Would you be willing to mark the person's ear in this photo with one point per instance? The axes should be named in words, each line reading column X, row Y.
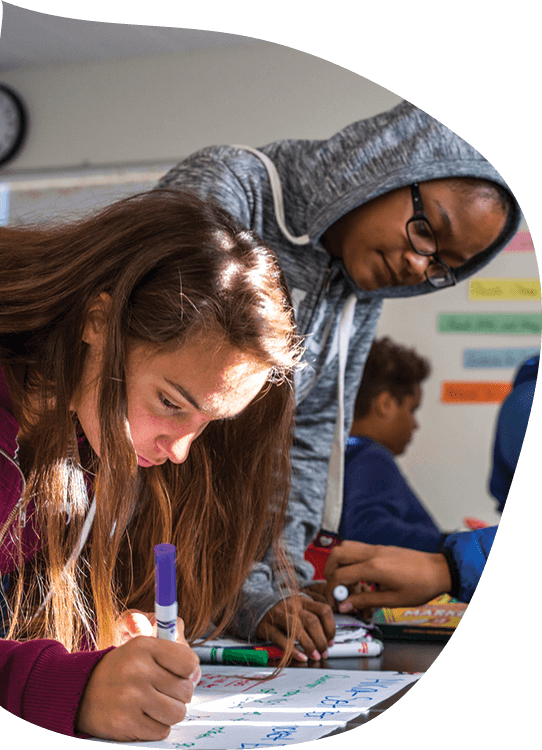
column 96, row 320
column 385, row 404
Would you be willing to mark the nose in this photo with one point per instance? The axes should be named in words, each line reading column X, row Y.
column 176, row 449
column 416, row 264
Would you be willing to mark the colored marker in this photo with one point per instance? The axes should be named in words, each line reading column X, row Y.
column 340, row 593
column 241, row 656
column 165, row 607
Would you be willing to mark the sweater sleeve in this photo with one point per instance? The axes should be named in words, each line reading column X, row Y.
column 42, row 683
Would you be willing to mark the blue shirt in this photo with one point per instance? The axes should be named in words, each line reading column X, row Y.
column 379, row 507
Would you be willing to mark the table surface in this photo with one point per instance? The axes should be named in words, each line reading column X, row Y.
column 397, row 656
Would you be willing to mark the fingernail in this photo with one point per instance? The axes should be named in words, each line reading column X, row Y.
column 315, row 656
column 300, row 656
column 325, row 655
column 345, row 607
column 138, row 624
column 195, row 677
column 330, row 644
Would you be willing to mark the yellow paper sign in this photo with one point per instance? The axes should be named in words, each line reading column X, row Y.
column 489, row 290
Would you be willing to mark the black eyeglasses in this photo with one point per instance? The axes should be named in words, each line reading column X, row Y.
column 423, row 241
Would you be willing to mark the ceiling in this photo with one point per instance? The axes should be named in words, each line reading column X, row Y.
column 30, row 39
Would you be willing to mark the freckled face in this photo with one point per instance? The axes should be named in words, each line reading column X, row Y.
column 373, row 243
column 173, row 395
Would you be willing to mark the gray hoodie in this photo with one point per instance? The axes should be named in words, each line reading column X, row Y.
column 320, row 181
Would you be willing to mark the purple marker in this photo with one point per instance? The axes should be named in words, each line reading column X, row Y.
column 165, row 607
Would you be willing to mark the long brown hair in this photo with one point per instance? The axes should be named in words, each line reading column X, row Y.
column 174, row 267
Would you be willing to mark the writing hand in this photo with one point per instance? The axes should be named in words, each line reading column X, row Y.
column 138, row 690
column 312, row 623
column 403, row 577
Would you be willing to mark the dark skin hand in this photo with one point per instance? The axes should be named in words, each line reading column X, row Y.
column 313, row 624
column 402, row 577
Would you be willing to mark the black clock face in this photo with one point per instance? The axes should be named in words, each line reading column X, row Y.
column 13, row 124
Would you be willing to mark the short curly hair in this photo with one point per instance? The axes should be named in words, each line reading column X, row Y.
column 390, row 367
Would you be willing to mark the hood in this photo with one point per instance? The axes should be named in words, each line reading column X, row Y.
column 374, row 156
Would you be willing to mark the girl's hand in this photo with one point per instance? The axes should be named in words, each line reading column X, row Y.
column 138, row 690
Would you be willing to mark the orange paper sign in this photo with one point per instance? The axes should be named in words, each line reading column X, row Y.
column 473, row 392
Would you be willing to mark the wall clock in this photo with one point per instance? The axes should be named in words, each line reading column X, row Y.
column 13, row 124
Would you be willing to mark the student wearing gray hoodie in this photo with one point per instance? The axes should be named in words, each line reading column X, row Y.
column 395, row 205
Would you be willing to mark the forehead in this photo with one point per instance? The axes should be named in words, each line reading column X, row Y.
column 218, row 379
column 465, row 223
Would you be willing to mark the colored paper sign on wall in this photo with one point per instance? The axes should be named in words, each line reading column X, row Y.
column 509, row 357
column 522, row 242
column 513, row 323
column 489, row 290
column 473, row 392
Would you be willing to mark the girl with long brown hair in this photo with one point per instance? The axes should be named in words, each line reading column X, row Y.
column 147, row 356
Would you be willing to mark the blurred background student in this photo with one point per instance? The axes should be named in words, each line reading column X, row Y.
column 379, row 505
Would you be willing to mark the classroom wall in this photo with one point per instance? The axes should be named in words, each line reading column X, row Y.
column 156, row 110
column 165, row 107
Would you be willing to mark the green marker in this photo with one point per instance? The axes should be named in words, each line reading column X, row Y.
column 247, row 657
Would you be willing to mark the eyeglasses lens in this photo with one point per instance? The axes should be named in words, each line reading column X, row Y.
column 421, row 237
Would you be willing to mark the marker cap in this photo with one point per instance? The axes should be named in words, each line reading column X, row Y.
column 166, row 579
column 340, row 593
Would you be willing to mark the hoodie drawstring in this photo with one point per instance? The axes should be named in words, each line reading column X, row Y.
column 335, row 478
column 278, row 201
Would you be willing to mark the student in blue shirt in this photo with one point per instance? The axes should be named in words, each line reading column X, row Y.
column 379, row 507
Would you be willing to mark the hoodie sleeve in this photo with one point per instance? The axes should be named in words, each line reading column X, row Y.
column 466, row 554
column 42, row 683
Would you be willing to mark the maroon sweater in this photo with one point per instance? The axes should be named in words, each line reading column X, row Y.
column 39, row 680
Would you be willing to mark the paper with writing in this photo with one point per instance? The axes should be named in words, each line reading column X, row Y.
column 235, row 708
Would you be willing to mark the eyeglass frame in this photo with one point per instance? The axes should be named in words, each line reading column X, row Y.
column 419, row 213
